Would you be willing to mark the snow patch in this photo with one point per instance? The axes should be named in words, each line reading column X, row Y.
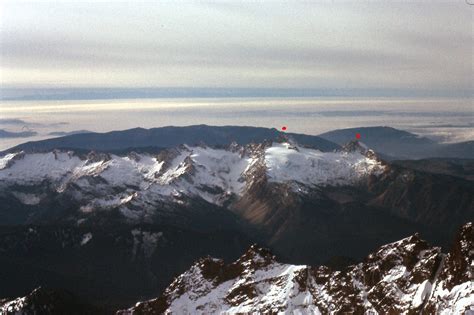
column 423, row 291
column 86, row 238
column 27, row 199
column 5, row 160
column 313, row 167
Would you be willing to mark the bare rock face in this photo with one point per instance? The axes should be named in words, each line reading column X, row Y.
column 408, row 276
column 453, row 292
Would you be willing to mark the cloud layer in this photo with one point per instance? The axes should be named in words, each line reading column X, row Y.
column 423, row 45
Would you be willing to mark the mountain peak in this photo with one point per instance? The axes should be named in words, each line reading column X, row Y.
column 459, row 262
column 390, row 282
column 256, row 257
column 355, row 146
column 360, row 147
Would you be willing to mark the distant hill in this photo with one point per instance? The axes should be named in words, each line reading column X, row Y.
column 398, row 144
column 166, row 137
column 389, row 143
column 463, row 168
column 21, row 134
column 455, row 150
column 67, row 133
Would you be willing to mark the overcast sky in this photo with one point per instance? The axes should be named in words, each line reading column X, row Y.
column 332, row 44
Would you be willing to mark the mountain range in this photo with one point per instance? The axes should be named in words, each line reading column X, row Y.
column 167, row 137
column 114, row 218
column 388, row 142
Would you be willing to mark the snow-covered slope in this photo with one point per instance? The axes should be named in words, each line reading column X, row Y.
column 405, row 277
column 286, row 162
column 142, row 181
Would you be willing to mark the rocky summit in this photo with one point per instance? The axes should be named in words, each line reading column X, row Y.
column 405, row 277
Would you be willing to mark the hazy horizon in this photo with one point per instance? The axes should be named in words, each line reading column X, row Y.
column 452, row 122
column 312, row 66
column 98, row 93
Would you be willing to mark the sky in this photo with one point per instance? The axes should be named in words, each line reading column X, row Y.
column 417, row 45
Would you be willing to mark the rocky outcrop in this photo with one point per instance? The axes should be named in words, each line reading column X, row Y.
column 408, row 276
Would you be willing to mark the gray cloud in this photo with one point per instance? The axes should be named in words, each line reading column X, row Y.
column 446, row 126
column 13, row 121
column 392, row 45
column 67, row 133
column 26, row 124
column 76, row 53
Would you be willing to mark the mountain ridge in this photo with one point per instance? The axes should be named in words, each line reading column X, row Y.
column 399, row 144
column 388, row 142
column 407, row 276
column 165, row 137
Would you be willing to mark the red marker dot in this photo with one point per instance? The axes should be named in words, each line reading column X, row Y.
column 357, row 135
column 283, row 128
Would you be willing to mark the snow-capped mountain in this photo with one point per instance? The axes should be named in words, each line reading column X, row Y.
column 116, row 227
column 136, row 184
column 405, row 277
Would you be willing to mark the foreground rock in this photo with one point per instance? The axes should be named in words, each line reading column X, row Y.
column 408, row 276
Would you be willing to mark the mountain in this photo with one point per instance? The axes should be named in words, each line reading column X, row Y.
column 113, row 228
column 388, row 142
column 135, row 185
column 408, row 276
column 456, row 150
column 463, row 168
column 167, row 137
column 398, row 144
column 108, row 265
column 294, row 196
column 118, row 227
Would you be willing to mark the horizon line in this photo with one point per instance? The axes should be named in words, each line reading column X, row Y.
column 91, row 93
